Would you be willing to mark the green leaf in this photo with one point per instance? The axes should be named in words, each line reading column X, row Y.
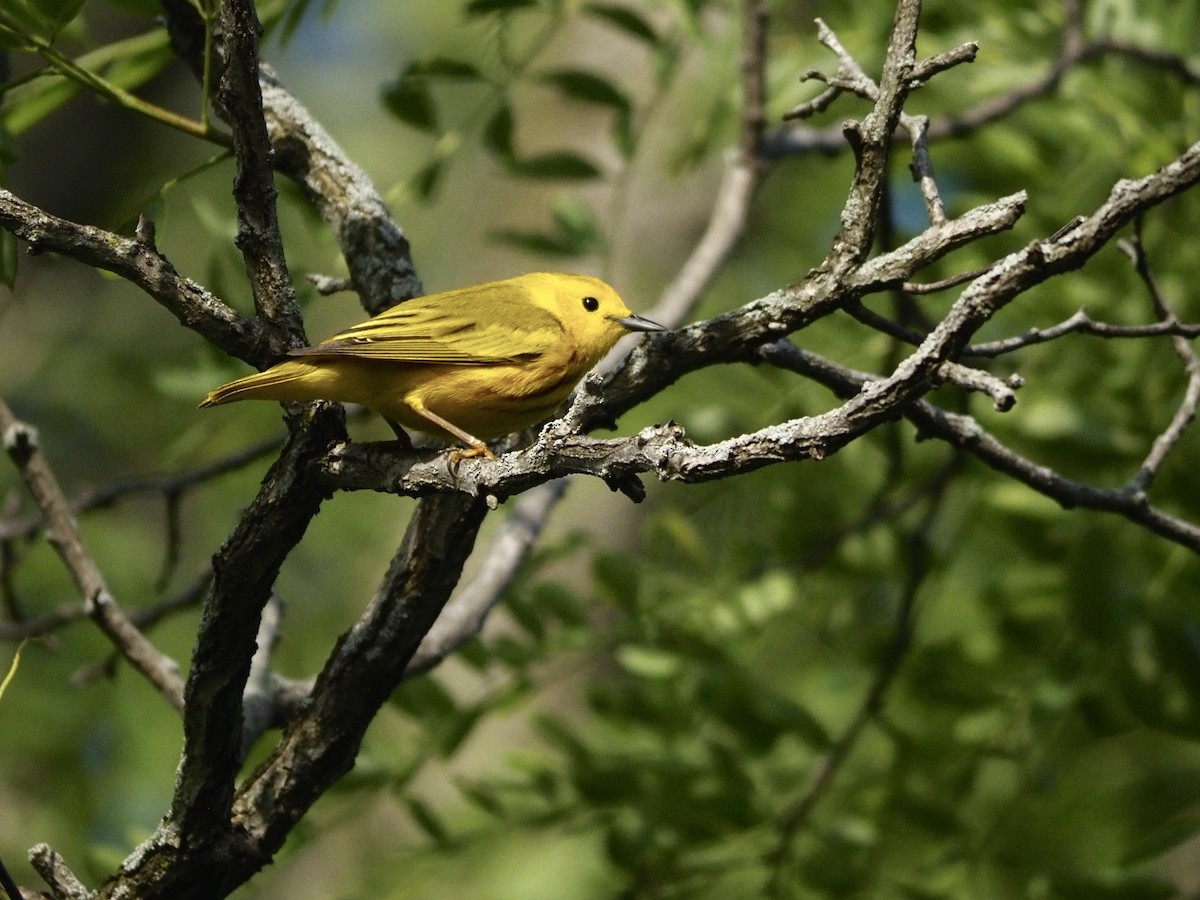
column 652, row 663
column 1160, row 837
column 498, row 133
column 575, row 233
column 457, row 728
column 619, row 577
column 560, row 602
column 535, row 242
column 483, row 795
column 409, row 100
column 527, row 615
column 428, row 821
column 560, row 165
column 425, row 698
column 444, row 67
column 486, row 7
column 56, row 14
column 127, row 64
column 623, row 134
column 625, row 19
column 425, row 182
column 588, row 88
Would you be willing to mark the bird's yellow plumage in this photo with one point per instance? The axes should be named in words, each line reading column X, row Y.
column 473, row 363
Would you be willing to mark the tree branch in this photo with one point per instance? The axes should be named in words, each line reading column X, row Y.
column 966, row 433
column 21, row 444
column 142, row 265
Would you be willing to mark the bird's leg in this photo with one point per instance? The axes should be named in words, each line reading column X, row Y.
column 475, row 447
column 402, row 437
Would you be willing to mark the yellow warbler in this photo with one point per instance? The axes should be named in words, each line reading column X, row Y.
column 473, row 363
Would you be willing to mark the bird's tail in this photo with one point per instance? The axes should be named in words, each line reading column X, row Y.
column 272, row 384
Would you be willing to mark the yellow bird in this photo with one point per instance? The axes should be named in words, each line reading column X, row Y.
column 473, row 363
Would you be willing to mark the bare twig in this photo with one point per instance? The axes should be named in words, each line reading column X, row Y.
column 922, row 168
column 143, row 266
column 172, row 485
column 20, row 442
column 1074, row 49
column 144, row 618
column 48, row 863
column 1001, row 390
column 466, row 613
column 933, row 287
column 966, row 432
column 1082, row 323
column 1186, row 413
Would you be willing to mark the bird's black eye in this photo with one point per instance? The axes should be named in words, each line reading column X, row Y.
column 591, row 304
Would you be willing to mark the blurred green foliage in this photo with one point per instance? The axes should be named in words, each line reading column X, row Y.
column 893, row 673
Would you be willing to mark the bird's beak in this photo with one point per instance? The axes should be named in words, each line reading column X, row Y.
column 638, row 323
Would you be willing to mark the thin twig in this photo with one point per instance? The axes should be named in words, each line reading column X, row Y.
column 142, row 265
column 1074, row 49
column 114, row 93
column 965, row 432
column 1081, row 323
column 167, row 485
column 48, row 863
column 1001, row 390
column 143, row 617
column 21, row 443
column 934, row 287
column 1186, row 413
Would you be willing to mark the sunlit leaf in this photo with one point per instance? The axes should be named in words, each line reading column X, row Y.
column 12, row 669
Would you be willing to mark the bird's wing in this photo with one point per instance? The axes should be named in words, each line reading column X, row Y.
column 490, row 331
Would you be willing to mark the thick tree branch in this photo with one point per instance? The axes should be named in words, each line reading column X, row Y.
column 665, row 452
column 244, row 570
column 142, row 265
column 258, row 237
column 320, row 744
column 373, row 244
